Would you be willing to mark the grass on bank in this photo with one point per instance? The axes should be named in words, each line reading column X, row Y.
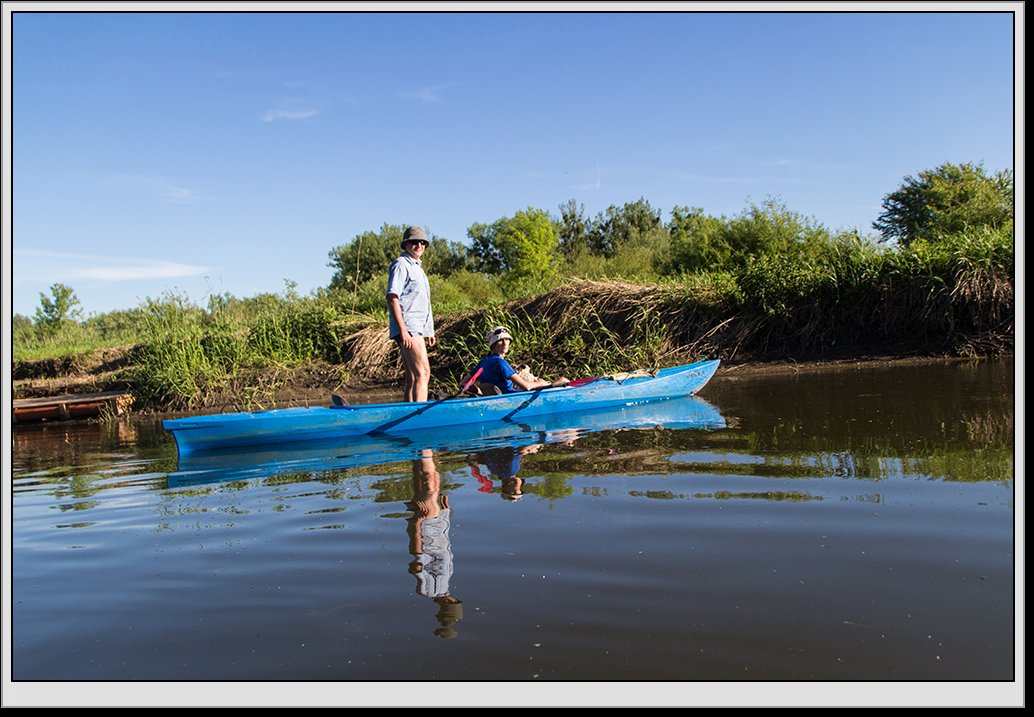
column 954, row 295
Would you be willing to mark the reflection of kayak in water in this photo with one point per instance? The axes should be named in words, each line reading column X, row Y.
column 234, row 430
column 355, row 451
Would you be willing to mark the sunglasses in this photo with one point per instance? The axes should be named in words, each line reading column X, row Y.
column 419, row 241
column 501, row 330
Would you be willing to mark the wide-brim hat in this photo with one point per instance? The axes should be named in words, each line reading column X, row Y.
column 413, row 234
column 497, row 334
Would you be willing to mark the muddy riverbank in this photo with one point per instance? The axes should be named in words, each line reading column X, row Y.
column 312, row 384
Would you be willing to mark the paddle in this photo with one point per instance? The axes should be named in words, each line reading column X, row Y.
column 582, row 381
column 425, row 406
column 619, row 377
column 469, row 383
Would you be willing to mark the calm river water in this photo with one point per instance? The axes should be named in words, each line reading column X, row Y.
column 854, row 525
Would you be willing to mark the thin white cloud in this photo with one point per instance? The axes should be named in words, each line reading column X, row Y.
column 61, row 266
column 163, row 187
column 704, row 178
column 179, row 195
column 141, row 270
column 288, row 114
column 804, row 164
column 429, row 94
column 674, row 175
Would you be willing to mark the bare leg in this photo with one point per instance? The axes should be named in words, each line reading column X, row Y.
column 418, row 369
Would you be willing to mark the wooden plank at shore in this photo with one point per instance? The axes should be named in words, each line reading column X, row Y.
column 79, row 405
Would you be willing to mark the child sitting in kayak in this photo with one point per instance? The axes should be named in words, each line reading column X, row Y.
column 498, row 376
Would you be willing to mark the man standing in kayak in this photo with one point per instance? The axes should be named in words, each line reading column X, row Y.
column 410, row 322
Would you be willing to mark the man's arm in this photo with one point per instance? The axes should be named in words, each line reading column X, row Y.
column 395, row 307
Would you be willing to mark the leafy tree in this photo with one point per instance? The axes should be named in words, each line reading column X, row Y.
column 697, row 242
column 488, row 257
column 56, row 311
column 119, row 324
column 635, row 224
column 367, row 255
column 445, row 257
column 291, row 290
column 525, row 245
column 700, row 242
column 770, row 228
column 370, row 254
column 572, row 229
column 948, row 199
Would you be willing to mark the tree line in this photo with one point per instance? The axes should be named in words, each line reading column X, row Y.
column 634, row 240
column 767, row 282
column 533, row 249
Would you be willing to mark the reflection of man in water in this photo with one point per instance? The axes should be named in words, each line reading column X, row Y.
column 429, row 543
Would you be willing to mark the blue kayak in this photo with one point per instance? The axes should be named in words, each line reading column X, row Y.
column 236, row 430
column 333, row 454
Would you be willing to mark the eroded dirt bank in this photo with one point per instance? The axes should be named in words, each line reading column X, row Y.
column 313, row 384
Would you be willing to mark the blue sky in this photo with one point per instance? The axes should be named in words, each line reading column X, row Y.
column 206, row 152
